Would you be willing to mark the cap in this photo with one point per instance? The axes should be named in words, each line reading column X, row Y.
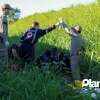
column 6, row 6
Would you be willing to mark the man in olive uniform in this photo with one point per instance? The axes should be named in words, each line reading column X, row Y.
column 77, row 44
column 4, row 34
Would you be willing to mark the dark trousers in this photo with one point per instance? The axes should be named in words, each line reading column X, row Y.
column 3, row 51
column 75, row 67
column 25, row 51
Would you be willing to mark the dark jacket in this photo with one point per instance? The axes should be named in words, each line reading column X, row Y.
column 33, row 34
column 30, row 37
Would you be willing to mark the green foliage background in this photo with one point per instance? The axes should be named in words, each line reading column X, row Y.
column 87, row 16
column 31, row 84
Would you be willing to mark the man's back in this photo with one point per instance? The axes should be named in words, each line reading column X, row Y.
column 76, row 44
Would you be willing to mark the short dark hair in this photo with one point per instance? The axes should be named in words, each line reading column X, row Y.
column 80, row 29
column 36, row 23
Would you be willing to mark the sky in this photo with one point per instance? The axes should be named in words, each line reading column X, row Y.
column 29, row 7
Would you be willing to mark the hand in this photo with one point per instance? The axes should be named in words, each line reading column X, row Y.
column 57, row 24
column 62, row 23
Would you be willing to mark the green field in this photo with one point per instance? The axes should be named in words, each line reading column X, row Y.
column 31, row 84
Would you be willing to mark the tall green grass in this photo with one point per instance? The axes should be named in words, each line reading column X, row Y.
column 34, row 85
column 87, row 16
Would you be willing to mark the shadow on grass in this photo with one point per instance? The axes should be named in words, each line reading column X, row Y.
column 89, row 68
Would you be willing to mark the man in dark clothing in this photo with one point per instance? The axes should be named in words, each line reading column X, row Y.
column 26, row 50
column 4, row 34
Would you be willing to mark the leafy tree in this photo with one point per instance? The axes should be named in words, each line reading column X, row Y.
column 14, row 15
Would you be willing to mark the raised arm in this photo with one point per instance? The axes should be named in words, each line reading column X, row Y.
column 67, row 28
column 47, row 30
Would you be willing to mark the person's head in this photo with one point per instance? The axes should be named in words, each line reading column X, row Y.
column 78, row 28
column 35, row 24
column 6, row 8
